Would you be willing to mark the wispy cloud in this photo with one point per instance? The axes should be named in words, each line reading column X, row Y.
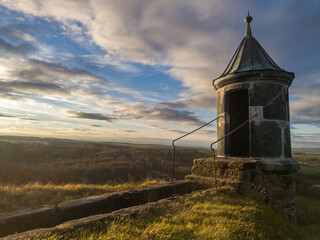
column 93, row 116
column 31, row 87
column 305, row 109
column 95, row 125
column 21, row 118
column 141, row 111
column 15, row 50
column 207, row 102
column 5, row 115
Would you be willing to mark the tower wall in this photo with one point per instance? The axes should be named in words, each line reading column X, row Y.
column 270, row 129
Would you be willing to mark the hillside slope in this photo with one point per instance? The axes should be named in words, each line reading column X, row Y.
column 205, row 215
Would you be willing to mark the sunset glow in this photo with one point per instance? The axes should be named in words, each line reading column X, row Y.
column 141, row 71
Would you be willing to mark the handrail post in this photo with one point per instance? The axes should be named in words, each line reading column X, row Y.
column 173, row 161
column 214, row 166
column 215, row 169
column 174, row 147
column 214, row 151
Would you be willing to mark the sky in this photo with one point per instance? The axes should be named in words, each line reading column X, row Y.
column 141, row 71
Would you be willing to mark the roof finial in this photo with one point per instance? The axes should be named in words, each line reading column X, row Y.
column 248, row 20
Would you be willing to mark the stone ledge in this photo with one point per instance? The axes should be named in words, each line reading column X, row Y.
column 50, row 216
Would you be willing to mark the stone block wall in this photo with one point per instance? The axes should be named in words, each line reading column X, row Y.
column 49, row 216
column 272, row 182
column 280, row 191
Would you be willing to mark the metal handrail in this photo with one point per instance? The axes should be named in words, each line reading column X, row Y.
column 214, row 152
column 174, row 147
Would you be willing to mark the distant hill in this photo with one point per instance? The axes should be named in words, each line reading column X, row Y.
column 306, row 150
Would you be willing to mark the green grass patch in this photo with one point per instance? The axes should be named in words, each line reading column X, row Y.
column 309, row 159
column 33, row 195
column 199, row 216
column 305, row 169
column 308, row 215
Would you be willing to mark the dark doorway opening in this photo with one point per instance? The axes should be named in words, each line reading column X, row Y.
column 237, row 112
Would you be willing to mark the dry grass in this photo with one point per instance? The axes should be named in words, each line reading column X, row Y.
column 35, row 194
column 199, row 216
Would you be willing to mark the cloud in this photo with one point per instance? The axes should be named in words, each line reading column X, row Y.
column 129, row 131
column 141, row 111
column 9, row 96
column 42, row 78
column 15, row 50
column 203, row 101
column 30, row 119
column 191, row 38
column 95, row 125
column 30, row 87
column 304, row 138
column 18, row 33
column 51, row 72
column 6, row 116
column 93, row 116
column 175, row 34
column 167, row 129
column 191, row 41
column 305, row 109
column 180, row 132
column 81, row 129
column 21, row 118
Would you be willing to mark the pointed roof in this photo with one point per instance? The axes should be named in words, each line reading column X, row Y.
column 250, row 55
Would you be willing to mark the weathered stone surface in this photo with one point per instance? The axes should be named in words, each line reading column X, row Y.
column 273, row 97
column 266, row 139
column 272, row 182
column 282, row 166
column 209, row 182
column 220, row 122
column 238, row 173
column 50, row 216
column 223, row 170
column 280, row 192
column 287, row 142
column 26, row 219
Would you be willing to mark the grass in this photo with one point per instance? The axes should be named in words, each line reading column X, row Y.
column 198, row 216
column 308, row 215
column 62, row 162
column 33, row 195
column 64, row 171
column 309, row 159
column 306, row 169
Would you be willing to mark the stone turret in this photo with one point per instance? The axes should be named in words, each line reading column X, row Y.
column 256, row 157
column 254, row 83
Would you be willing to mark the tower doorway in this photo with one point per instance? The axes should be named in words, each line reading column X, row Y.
column 237, row 112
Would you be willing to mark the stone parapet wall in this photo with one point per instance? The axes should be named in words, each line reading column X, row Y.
column 88, row 221
column 49, row 216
